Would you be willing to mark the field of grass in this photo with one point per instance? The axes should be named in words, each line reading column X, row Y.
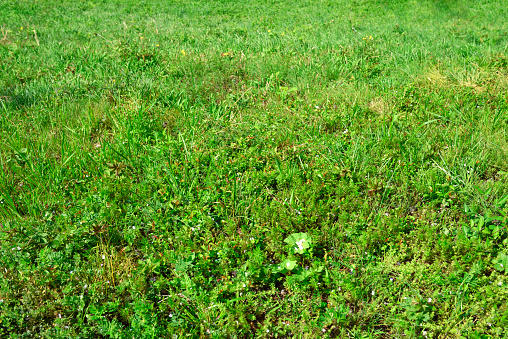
column 253, row 169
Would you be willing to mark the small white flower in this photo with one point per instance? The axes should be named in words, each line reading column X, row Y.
column 501, row 265
column 267, row 330
column 424, row 333
column 323, row 330
column 133, row 227
column 288, row 264
column 19, row 248
column 103, row 257
column 500, row 283
column 429, row 300
column 171, row 315
column 300, row 244
column 372, row 292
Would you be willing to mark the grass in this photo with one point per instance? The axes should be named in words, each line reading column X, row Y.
column 253, row 169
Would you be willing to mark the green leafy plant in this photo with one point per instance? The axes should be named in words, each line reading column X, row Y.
column 488, row 224
column 501, row 262
column 285, row 266
column 417, row 309
column 441, row 194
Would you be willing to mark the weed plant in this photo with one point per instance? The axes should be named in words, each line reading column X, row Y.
column 253, row 169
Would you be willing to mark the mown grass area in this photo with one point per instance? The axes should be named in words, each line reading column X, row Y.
column 268, row 169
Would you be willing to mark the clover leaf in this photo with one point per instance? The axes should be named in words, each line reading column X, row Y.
column 285, row 266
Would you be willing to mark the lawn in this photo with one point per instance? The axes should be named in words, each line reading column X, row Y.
column 253, row 169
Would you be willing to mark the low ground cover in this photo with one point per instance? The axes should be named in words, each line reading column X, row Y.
column 253, row 169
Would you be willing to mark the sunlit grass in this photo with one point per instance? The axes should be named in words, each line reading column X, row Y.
column 156, row 155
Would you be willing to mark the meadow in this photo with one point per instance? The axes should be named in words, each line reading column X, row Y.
column 253, row 169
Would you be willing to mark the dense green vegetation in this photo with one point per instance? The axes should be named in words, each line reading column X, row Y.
column 249, row 168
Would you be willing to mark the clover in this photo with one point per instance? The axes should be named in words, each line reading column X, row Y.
column 299, row 242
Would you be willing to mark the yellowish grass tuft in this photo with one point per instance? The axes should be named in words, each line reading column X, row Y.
column 379, row 106
column 111, row 266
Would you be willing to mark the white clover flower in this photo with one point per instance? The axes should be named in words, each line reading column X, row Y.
column 300, row 245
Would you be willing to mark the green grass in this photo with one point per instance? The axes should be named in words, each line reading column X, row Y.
column 162, row 160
